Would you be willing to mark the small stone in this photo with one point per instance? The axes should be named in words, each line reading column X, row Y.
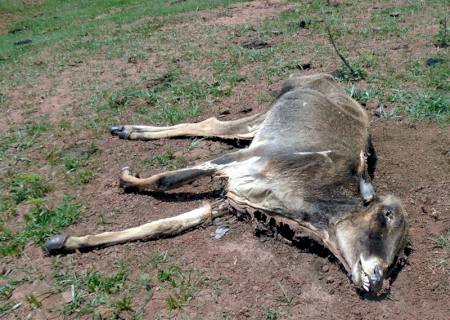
column 325, row 268
column 395, row 14
column 329, row 280
column 221, row 231
column 67, row 296
column 22, row 42
column 36, row 315
column 255, row 44
column 432, row 61
column 372, row 104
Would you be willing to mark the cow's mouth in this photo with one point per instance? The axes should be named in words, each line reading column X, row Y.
column 372, row 282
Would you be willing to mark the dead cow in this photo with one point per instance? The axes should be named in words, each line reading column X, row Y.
column 307, row 169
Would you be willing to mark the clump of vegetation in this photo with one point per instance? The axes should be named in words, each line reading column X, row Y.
column 186, row 285
column 166, row 160
column 3, row 98
column 428, row 106
column 443, row 241
column 27, row 187
column 41, row 222
column 443, row 38
column 21, row 138
column 94, row 289
column 354, row 74
column 271, row 314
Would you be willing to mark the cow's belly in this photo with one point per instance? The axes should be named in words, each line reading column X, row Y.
column 249, row 185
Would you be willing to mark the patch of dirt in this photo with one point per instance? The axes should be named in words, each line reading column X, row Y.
column 252, row 12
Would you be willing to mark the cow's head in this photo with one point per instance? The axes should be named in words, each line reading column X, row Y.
column 370, row 240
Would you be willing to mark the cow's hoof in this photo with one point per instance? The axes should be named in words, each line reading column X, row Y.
column 55, row 244
column 116, row 130
column 124, row 134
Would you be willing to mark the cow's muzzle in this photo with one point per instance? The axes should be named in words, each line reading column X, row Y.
column 373, row 282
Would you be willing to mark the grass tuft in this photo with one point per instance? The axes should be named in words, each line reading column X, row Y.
column 28, row 186
column 41, row 222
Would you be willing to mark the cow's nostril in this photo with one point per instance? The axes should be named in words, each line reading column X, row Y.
column 376, row 280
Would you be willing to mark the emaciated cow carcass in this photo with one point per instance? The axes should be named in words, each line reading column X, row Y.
column 308, row 169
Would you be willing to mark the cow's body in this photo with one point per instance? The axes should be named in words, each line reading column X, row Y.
column 306, row 167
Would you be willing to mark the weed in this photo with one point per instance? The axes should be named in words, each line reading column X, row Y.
column 186, row 285
column 28, row 186
column 145, row 282
column 166, row 275
column 93, row 289
column 216, row 291
column 6, row 290
column 155, row 260
column 21, row 138
column 173, row 303
column 442, row 37
column 432, row 106
column 83, row 176
column 96, row 282
column 362, row 95
column 3, row 98
column 285, row 297
column 33, row 301
column 344, row 74
column 123, row 304
column 7, row 206
column 40, row 223
column 443, row 241
column 166, row 160
column 271, row 314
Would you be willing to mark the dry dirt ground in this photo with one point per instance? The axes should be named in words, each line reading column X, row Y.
column 246, row 276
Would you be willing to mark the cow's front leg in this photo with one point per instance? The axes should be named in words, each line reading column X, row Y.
column 155, row 229
column 173, row 179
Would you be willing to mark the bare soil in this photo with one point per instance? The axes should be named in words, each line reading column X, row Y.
column 252, row 12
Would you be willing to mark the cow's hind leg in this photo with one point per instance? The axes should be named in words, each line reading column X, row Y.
column 244, row 128
column 155, row 229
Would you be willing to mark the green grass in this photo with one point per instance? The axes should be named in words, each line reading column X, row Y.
column 166, row 160
column 41, row 222
column 94, row 289
column 185, row 283
column 67, row 29
column 28, row 186
column 271, row 314
column 443, row 242
column 21, row 138
column 115, row 290
column 423, row 106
